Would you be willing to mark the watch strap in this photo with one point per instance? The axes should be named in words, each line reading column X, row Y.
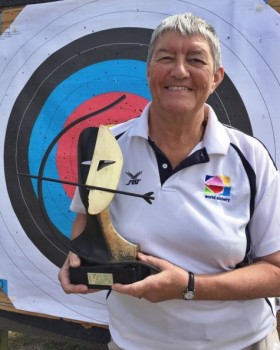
column 191, row 282
column 189, row 292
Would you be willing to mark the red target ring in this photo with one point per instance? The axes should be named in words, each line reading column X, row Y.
column 66, row 156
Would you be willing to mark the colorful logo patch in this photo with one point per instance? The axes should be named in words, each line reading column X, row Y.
column 217, row 187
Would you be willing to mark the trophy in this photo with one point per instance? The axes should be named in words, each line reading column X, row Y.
column 106, row 257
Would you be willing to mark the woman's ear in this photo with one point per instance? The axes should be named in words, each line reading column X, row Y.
column 218, row 77
column 148, row 75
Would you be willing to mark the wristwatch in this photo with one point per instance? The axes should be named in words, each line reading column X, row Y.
column 189, row 292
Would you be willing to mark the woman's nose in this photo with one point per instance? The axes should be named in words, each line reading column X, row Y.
column 180, row 69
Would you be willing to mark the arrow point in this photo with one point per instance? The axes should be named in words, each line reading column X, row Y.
column 103, row 163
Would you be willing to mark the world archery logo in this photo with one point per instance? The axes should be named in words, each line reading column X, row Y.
column 133, row 178
column 217, row 187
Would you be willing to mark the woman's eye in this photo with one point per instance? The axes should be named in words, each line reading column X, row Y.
column 197, row 61
column 165, row 58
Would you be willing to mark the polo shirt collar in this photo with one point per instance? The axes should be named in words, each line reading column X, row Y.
column 141, row 125
column 215, row 138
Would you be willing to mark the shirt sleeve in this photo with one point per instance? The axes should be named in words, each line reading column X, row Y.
column 77, row 204
column 265, row 223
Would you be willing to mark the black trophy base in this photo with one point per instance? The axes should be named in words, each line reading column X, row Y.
column 102, row 276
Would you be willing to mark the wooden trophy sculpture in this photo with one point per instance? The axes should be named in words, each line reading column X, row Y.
column 106, row 256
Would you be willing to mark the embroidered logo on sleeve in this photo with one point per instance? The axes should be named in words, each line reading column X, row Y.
column 217, row 187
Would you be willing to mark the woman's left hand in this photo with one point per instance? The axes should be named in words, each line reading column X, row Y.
column 169, row 283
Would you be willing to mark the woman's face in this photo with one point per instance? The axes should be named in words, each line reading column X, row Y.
column 181, row 73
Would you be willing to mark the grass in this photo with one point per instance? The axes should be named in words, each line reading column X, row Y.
column 20, row 341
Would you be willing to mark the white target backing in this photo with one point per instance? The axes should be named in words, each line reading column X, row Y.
column 57, row 67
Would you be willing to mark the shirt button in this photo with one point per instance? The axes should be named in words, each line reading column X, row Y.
column 165, row 166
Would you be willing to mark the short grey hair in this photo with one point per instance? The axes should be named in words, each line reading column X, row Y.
column 189, row 25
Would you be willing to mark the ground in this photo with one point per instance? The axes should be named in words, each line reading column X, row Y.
column 19, row 341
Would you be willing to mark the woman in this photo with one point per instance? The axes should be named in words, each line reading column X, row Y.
column 217, row 206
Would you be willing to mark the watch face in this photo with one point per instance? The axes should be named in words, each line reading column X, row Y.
column 189, row 295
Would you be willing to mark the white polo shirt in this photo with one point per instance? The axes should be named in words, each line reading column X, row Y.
column 197, row 221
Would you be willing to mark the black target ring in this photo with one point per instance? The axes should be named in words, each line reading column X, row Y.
column 106, row 45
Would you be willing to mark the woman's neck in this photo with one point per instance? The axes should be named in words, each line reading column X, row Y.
column 177, row 137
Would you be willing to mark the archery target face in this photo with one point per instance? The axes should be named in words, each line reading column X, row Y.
column 95, row 74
